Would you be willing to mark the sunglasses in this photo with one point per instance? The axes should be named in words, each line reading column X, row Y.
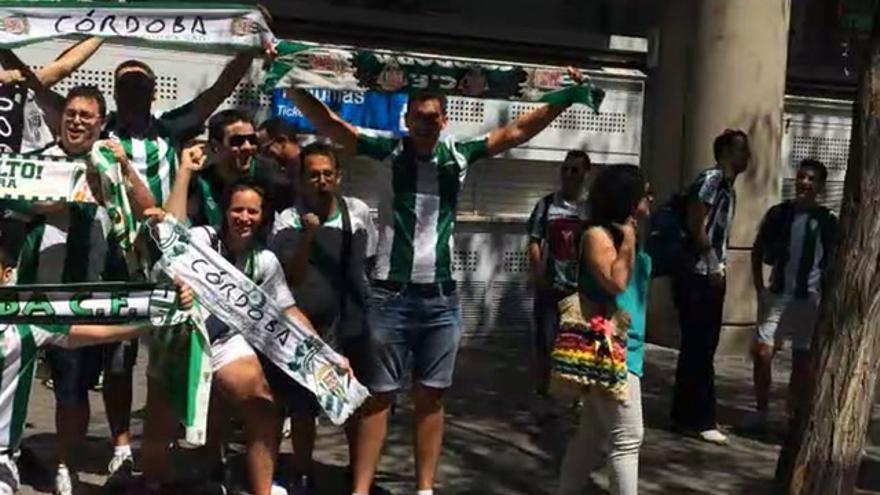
column 238, row 140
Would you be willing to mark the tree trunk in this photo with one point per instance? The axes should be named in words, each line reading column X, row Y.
column 823, row 453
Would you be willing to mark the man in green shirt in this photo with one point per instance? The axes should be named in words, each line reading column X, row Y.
column 414, row 309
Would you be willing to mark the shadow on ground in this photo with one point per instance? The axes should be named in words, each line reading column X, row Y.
column 493, row 444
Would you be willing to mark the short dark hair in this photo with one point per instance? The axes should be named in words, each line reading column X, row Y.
column 421, row 96
column 221, row 120
column 615, row 194
column 276, row 127
column 727, row 140
column 818, row 168
column 248, row 184
column 317, row 149
column 134, row 63
column 579, row 155
column 91, row 92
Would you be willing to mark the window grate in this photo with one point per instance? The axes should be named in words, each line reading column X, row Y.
column 579, row 118
column 466, row 110
column 832, row 151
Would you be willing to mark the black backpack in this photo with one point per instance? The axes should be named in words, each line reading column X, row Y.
column 669, row 243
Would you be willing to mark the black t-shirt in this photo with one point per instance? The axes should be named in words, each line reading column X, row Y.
column 206, row 191
column 336, row 274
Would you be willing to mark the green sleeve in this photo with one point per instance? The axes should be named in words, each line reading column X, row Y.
column 375, row 145
column 474, row 149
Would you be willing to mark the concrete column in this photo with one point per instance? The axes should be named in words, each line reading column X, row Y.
column 734, row 77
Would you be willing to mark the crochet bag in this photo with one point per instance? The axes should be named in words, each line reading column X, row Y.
column 590, row 348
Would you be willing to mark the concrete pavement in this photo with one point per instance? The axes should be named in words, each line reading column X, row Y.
column 493, row 445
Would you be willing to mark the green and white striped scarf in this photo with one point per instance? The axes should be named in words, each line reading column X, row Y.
column 124, row 226
column 179, row 355
column 179, row 351
column 302, row 65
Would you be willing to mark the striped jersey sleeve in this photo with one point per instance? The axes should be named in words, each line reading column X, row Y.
column 376, row 144
column 473, row 149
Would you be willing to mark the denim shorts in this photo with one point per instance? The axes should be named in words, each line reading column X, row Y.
column 783, row 315
column 408, row 329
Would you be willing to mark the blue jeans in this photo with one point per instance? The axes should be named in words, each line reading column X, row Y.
column 408, row 327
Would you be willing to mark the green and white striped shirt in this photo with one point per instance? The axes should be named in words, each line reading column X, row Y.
column 154, row 154
column 66, row 246
column 417, row 219
column 18, row 354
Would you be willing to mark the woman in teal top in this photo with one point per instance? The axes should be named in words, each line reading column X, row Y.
column 613, row 270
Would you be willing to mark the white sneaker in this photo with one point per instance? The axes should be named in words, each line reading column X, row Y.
column 63, row 481
column 119, row 470
column 713, row 436
column 277, row 489
column 9, row 480
column 286, row 429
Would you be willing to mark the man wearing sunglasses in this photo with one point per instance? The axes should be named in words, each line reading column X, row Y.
column 554, row 230
column 231, row 155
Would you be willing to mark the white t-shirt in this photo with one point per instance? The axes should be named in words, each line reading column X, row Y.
column 261, row 266
column 795, row 253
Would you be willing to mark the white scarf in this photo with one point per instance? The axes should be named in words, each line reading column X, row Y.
column 237, row 301
column 206, row 26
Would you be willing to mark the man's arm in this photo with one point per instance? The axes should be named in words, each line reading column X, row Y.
column 523, row 129
column 697, row 216
column 536, row 265
column 758, row 261
column 192, row 159
column 325, row 120
column 296, row 268
column 139, row 195
column 85, row 335
column 530, row 124
column 206, row 103
column 536, row 232
column 69, row 61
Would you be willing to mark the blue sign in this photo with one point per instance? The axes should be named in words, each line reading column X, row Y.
column 369, row 109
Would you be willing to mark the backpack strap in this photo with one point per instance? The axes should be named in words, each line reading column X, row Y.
column 345, row 253
column 546, row 202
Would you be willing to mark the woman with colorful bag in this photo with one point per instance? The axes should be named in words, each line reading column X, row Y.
column 600, row 349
